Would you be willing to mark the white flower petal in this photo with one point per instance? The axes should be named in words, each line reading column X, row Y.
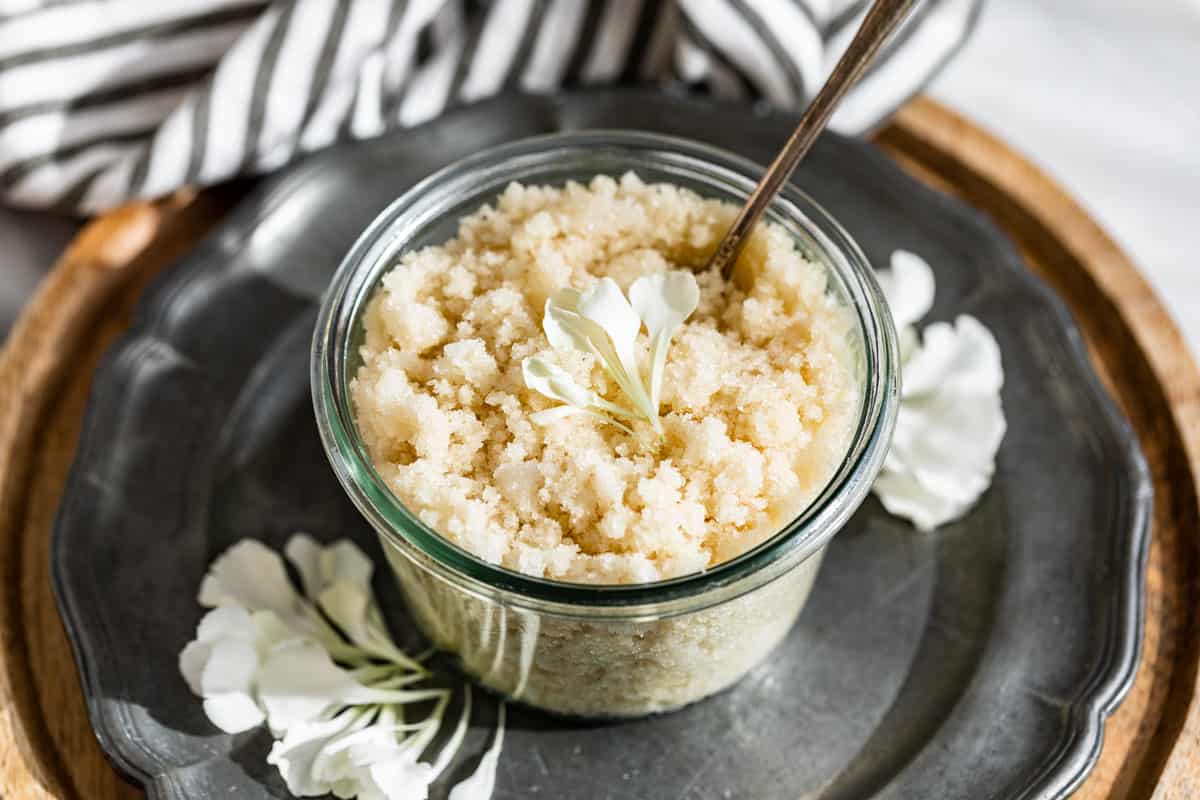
column 250, row 575
column 343, row 560
column 298, row 681
column 560, row 322
column 305, row 554
column 352, row 608
column 949, row 426
column 400, row 779
column 296, row 755
column 227, row 622
column 551, row 415
column 567, row 329
column 964, row 358
column 663, row 301
column 346, row 762
column 600, row 322
column 348, row 606
column 949, row 441
column 230, row 668
column 557, row 384
column 607, row 306
column 320, row 566
column 270, row 631
column 227, row 681
column 482, row 782
column 908, row 286
column 253, row 577
column 903, row 496
column 373, row 743
column 949, row 455
column 233, row 712
column 554, row 382
column 191, row 663
column 379, row 765
column 224, row 624
column 452, row 745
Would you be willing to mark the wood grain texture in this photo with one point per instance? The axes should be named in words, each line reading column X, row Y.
column 46, row 747
column 1152, row 743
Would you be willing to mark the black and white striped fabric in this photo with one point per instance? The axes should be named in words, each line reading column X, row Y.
column 102, row 101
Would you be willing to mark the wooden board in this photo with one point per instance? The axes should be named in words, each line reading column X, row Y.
column 1152, row 743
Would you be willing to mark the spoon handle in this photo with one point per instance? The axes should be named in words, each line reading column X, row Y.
column 883, row 18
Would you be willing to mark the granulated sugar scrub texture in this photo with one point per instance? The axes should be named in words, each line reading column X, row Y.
column 604, row 483
column 757, row 397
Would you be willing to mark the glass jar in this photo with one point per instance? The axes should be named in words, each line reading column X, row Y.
column 601, row 650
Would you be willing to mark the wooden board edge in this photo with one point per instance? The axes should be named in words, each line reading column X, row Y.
column 123, row 247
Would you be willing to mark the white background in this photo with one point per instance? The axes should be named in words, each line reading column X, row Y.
column 1104, row 95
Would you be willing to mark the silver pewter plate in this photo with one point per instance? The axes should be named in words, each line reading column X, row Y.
column 976, row 662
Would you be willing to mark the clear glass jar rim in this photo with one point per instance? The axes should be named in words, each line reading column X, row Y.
column 796, row 541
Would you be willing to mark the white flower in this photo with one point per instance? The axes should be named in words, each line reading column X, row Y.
column 951, row 422
column 909, row 287
column 557, row 384
column 334, row 696
column 320, row 567
column 297, row 753
column 250, row 575
column 216, row 625
column 370, row 754
column 227, row 683
column 338, row 578
column 299, row 682
column 355, row 754
column 386, row 768
column 601, row 321
column 482, row 782
column 396, row 777
column 221, row 664
column 663, row 301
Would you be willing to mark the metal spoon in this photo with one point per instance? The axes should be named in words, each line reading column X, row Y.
column 877, row 25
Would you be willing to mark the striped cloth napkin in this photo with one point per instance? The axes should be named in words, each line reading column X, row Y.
column 102, row 101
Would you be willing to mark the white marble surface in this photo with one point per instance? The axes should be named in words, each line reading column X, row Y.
column 1104, row 95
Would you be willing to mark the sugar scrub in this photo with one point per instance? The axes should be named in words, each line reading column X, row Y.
column 758, row 401
column 758, row 395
